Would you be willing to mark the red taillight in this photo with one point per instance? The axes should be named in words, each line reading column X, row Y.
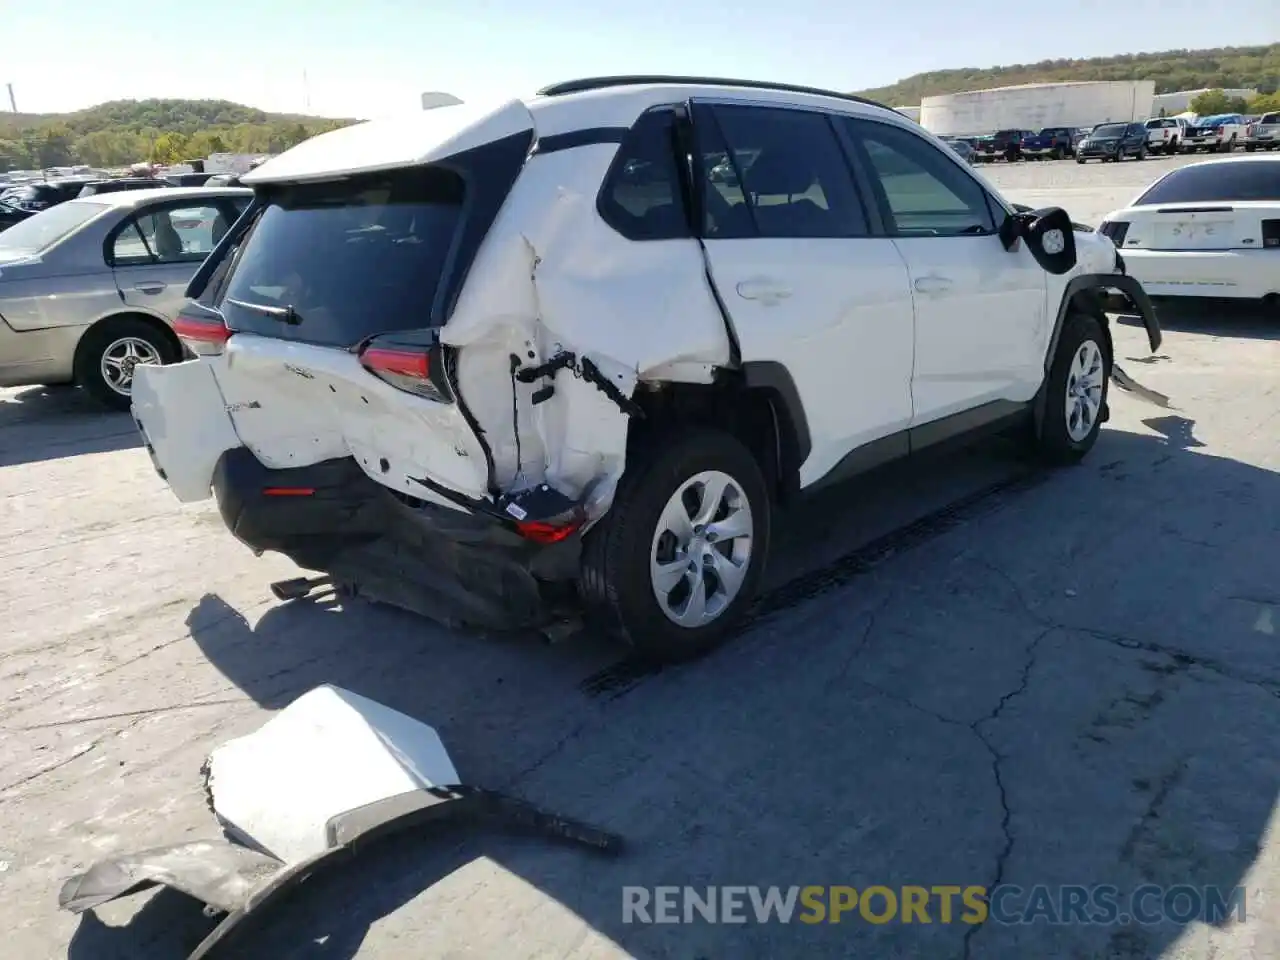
column 204, row 337
column 402, row 363
column 408, row 367
column 289, row 491
column 541, row 532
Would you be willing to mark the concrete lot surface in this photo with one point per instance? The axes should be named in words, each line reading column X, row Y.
column 969, row 673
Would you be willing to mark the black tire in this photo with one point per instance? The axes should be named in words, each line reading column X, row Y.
column 615, row 582
column 1173, row 146
column 1142, row 153
column 1249, row 148
column 1079, row 159
column 99, row 339
column 1057, row 153
column 1053, row 443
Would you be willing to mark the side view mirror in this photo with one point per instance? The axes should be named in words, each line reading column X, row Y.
column 1049, row 235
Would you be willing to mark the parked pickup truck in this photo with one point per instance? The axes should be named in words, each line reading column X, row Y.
column 1263, row 134
column 1165, row 133
column 1005, row 143
column 1217, row 134
column 1052, row 142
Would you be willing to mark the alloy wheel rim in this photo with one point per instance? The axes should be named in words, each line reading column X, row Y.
column 1085, row 380
column 121, row 358
column 701, row 549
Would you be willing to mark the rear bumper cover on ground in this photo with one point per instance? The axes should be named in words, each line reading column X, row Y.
column 323, row 779
column 454, row 566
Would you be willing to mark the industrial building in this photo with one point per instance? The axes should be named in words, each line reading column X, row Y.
column 1171, row 104
column 1036, row 105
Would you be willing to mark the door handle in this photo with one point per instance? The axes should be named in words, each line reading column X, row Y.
column 150, row 287
column 762, row 290
column 932, row 284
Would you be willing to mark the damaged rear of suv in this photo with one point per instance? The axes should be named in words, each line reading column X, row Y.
column 499, row 366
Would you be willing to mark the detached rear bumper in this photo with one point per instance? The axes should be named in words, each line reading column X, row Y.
column 450, row 565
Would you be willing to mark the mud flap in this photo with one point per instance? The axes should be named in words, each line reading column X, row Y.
column 327, row 775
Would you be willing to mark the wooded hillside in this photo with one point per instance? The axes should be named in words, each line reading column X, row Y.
column 161, row 131
column 1172, row 70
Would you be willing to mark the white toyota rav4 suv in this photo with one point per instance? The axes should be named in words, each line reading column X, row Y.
column 570, row 353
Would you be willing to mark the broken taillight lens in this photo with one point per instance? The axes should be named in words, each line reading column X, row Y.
column 201, row 329
column 411, row 362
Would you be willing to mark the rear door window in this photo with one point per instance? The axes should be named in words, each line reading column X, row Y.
column 1217, row 182
column 335, row 263
column 166, row 233
column 779, row 173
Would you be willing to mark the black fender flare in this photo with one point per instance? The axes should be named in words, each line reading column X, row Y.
column 794, row 438
column 1095, row 289
column 1093, row 293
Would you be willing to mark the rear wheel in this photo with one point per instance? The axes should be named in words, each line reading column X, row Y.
column 1075, row 399
column 1173, row 145
column 674, row 564
column 1142, row 152
column 111, row 351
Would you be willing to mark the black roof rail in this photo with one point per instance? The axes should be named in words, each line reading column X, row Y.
column 631, row 80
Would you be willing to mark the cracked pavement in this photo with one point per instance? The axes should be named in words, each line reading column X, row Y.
column 1070, row 679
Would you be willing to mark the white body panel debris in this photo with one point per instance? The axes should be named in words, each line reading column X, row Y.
column 328, row 752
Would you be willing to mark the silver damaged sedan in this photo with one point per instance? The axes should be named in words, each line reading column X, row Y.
column 89, row 288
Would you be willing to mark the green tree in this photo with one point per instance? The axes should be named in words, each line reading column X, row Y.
column 169, row 148
column 1264, row 103
column 1209, row 103
column 53, row 147
column 14, row 155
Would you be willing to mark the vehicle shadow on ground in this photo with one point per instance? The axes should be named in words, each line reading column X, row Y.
column 1053, row 691
column 49, row 423
column 1217, row 318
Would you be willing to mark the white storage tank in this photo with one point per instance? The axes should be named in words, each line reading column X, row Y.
column 1036, row 105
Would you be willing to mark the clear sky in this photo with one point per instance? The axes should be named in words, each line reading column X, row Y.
column 373, row 57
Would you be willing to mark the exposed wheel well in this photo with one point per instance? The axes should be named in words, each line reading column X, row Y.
column 154, row 323
column 1087, row 302
column 757, row 416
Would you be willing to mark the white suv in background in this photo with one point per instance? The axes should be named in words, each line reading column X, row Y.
column 570, row 353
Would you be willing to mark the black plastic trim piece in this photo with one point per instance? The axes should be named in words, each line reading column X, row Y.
column 1097, row 284
column 864, row 459
column 965, row 426
column 771, row 375
column 633, row 80
column 586, row 137
column 988, row 417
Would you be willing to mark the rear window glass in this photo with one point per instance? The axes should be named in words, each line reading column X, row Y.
column 345, row 261
column 44, row 229
column 1200, row 182
column 1270, row 118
